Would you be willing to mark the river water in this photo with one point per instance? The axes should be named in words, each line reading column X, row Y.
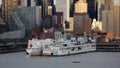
column 86, row 60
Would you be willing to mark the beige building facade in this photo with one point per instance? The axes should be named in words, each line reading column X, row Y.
column 111, row 18
column 107, row 19
column 81, row 6
column 63, row 6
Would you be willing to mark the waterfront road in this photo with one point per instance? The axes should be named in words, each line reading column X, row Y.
column 85, row 60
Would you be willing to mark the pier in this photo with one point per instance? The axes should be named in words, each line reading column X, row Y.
column 12, row 45
column 108, row 47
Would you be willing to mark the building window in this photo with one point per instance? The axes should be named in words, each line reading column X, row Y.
column 66, row 24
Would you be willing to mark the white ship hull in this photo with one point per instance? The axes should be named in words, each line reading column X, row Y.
column 59, row 47
column 35, row 46
column 68, row 50
column 34, row 51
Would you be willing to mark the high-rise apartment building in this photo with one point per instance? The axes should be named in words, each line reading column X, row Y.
column 107, row 19
column 43, row 3
column 116, row 18
column 78, row 24
column 103, row 5
column 107, row 4
column 81, row 6
column 82, row 23
column 91, row 6
column 38, row 15
column 59, row 16
column 45, row 6
column 114, row 8
column 10, row 5
column 63, row 6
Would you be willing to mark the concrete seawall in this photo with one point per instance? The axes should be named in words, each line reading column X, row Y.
column 12, row 45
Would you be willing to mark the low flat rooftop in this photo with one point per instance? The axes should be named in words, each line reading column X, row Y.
column 86, row 60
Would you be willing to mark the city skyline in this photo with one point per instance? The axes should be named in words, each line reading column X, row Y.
column 57, row 28
column 84, row 11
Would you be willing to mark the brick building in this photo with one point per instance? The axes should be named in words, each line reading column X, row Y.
column 59, row 19
column 82, row 23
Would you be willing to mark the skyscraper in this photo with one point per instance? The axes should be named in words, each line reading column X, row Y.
column 45, row 7
column 45, row 4
column 107, row 19
column 107, row 4
column 9, row 6
column 80, row 18
column 38, row 15
column 82, row 23
column 100, row 8
column 59, row 16
column 114, row 8
column 63, row 6
column 81, row 6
